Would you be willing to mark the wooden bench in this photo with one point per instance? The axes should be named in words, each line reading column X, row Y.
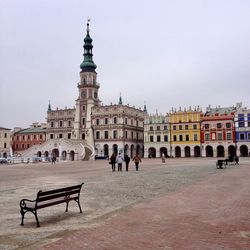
column 51, row 198
column 221, row 163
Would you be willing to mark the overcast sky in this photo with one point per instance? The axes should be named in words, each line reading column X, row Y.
column 167, row 53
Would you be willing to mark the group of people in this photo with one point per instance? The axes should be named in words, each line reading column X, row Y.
column 119, row 160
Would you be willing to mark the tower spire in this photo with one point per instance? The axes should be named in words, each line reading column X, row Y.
column 120, row 99
column 88, row 63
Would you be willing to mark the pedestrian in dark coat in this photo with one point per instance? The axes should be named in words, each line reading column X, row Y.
column 113, row 161
column 127, row 160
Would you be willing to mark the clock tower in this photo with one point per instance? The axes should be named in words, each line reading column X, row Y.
column 88, row 94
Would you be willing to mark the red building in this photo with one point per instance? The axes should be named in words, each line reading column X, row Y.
column 25, row 138
column 218, row 132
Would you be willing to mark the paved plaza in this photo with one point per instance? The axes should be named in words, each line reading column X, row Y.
column 180, row 204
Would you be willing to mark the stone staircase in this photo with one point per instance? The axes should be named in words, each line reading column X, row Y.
column 83, row 150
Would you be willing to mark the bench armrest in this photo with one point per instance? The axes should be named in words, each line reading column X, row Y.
column 25, row 203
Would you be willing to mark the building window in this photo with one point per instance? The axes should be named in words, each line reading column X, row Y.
column 151, row 128
column 52, row 124
column 5, row 135
column 115, row 120
column 97, row 121
column 97, row 135
column 5, row 145
column 132, row 122
column 24, row 138
column 106, row 121
column 115, row 134
column 175, row 138
column 83, row 108
column 206, row 126
column 241, row 117
column 248, row 124
column 180, row 127
column 83, row 136
column 41, row 137
column 229, row 136
column 69, row 123
column 60, row 124
column 195, row 126
column 28, row 137
column 28, row 145
column 165, row 127
column 60, row 136
column 158, row 138
column 151, row 138
column 242, row 136
column 158, row 128
column 16, row 146
column 195, row 137
column 126, row 134
column 106, row 134
column 174, row 127
column 165, row 138
column 180, row 138
column 22, row 145
column 218, row 125
column 241, row 124
column 186, row 127
column 248, row 136
column 207, row 137
column 34, row 137
column 187, row 137
column 219, row 136
column 83, row 121
column 228, row 125
column 126, row 120
column 51, row 136
column 69, row 135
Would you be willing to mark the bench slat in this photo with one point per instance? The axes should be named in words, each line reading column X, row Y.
column 57, row 195
column 59, row 190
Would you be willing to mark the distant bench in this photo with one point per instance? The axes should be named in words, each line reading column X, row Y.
column 225, row 162
column 51, row 198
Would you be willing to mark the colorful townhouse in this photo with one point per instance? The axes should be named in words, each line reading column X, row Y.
column 185, row 133
column 5, row 135
column 218, row 132
column 156, row 136
column 242, row 130
column 24, row 139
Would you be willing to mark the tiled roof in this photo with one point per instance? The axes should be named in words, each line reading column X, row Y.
column 1, row 128
column 32, row 130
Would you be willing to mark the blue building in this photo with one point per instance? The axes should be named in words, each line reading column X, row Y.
column 242, row 129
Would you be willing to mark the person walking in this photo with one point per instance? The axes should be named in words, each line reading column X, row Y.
column 119, row 161
column 137, row 159
column 163, row 158
column 113, row 161
column 127, row 160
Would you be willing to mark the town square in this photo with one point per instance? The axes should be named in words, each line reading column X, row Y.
column 124, row 125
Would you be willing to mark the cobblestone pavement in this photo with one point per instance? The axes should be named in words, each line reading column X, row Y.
column 182, row 204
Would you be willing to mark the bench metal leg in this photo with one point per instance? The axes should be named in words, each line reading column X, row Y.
column 79, row 205
column 22, row 213
column 67, row 205
column 37, row 222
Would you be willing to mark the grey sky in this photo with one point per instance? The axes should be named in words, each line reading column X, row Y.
column 168, row 53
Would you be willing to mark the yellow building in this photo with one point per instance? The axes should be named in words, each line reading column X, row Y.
column 185, row 132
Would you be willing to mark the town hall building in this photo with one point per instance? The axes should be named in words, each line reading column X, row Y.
column 90, row 129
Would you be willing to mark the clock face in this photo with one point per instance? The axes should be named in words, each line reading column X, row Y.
column 84, row 94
